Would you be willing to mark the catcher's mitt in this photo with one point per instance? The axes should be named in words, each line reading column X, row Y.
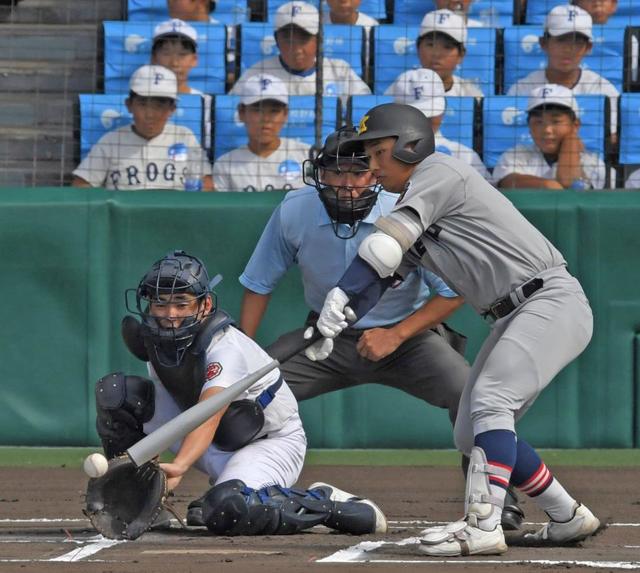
column 125, row 501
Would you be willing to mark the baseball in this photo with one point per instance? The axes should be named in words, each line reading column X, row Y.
column 95, row 465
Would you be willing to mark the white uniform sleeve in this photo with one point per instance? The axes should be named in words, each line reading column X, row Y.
column 633, row 182
column 221, row 176
column 95, row 166
column 595, row 169
column 225, row 366
column 513, row 160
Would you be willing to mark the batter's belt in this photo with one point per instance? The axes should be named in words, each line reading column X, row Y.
column 513, row 300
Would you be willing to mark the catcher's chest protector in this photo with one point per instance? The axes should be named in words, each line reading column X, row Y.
column 184, row 382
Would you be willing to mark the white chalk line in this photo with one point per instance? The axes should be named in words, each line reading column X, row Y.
column 417, row 523
column 362, row 553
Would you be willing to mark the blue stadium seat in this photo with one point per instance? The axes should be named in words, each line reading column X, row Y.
column 127, row 46
column 629, row 121
column 394, row 51
column 100, row 113
column 374, row 8
column 504, row 121
column 226, row 12
column 458, row 118
column 340, row 41
column 522, row 53
column 627, row 13
column 229, row 132
column 492, row 13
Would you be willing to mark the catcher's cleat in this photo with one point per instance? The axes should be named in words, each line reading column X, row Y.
column 579, row 527
column 460, row 539
column 335, row 494
column 194, row 513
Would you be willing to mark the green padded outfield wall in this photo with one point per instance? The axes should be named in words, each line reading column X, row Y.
column 68, row 255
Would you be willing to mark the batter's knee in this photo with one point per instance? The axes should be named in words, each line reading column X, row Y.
column 463, row 436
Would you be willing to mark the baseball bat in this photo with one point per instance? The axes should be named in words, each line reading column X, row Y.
column 161, row 439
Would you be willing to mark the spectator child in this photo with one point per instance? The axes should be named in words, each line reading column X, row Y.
column 175, row 45
column 460, row 7
column 567, row 40
column 557, row 159
column 347, row 12
column 441, row 47
column 149, row 153
column 424, row 89
column 296, row 35
column 268, row 161
column 192, row 10
column 600, row 10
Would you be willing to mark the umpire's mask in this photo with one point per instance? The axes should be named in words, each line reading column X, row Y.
column 347, row 193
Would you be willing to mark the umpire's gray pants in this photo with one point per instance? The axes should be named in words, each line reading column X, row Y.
column 522, row 354
column 425, row 366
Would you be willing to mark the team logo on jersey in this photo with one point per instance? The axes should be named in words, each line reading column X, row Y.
column 290, row 169
column 363, row 125
column 213, row 370
column 178, row 152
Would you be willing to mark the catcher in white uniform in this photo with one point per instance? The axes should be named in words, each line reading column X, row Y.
column 150, row 153
column 449, row 220
column 268, row 161
column 254, row 448
column 296, row 35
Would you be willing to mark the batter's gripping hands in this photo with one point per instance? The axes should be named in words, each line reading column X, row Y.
column 332, row 321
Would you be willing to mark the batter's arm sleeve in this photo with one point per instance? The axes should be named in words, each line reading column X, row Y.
column 271, row 258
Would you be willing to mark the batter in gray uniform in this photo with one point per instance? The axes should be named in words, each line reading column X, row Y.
column 450, row 220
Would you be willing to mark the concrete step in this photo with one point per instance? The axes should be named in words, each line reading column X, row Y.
column 62, row 11
column 37, row 110
column 29, row 144
column 58, row 43
column 36, row 173
column 38, row 76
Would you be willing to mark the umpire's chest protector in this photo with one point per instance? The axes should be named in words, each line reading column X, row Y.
column 242, row 421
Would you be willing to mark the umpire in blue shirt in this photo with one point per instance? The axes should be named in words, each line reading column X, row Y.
column 402, row 341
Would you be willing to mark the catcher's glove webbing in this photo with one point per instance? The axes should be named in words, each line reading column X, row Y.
column 126, row 500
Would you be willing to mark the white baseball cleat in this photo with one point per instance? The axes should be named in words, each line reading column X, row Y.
column 579, row 527
column 461, row 539
column 336, row 494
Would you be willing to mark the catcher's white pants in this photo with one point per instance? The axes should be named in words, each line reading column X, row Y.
column 276, row 459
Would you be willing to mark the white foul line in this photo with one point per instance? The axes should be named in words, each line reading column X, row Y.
column 95, row 544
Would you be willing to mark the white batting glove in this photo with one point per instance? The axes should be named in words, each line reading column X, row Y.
column 319, row 350
column 335, row 313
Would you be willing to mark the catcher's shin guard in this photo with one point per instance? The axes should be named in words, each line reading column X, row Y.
column 232, row 508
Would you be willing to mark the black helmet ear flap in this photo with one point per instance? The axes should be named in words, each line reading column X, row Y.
column 414, row 151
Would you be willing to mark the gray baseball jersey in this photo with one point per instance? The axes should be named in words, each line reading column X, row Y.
column 482, row 246
column 460, row 227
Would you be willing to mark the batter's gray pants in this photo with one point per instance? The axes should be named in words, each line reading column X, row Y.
column 425, row 366
column 523, row 353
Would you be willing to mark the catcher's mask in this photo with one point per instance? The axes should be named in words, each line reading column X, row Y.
column 176, row 279
column 346, row 204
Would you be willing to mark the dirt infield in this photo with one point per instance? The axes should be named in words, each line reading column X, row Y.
column 42, row 528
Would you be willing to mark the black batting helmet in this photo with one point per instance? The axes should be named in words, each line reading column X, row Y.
column 346, row 205
column 408, row 124
column 175, row 274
